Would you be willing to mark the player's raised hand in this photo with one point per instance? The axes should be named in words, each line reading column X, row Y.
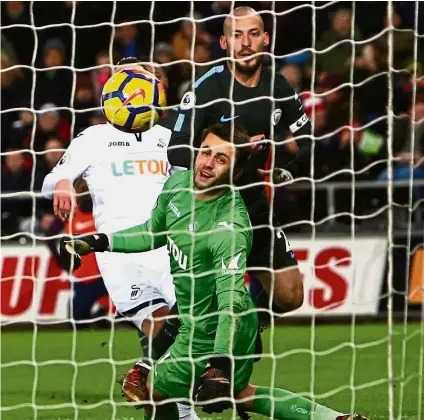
column 64, row 199
column 279, row 175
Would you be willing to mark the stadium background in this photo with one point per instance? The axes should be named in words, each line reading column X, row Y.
column 356, row 264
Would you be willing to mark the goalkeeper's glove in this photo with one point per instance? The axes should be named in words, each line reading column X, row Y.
column 214, row 383
column 70, row 250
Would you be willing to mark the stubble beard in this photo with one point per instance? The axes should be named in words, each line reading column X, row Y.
column 223, row 181
column 243, row 68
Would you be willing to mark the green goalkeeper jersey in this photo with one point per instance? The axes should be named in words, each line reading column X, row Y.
column 208, row 244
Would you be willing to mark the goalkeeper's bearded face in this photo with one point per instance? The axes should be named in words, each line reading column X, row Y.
column 244, row 36
column 214, row 163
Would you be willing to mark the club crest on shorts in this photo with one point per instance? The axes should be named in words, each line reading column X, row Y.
column 276, row 116
column 135, row 292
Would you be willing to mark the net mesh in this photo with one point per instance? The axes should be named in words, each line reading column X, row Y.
column 71, row 372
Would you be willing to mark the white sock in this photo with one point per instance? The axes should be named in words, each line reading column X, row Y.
column 187, row 412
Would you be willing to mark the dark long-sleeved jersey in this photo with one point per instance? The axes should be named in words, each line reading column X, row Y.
column 268, row 108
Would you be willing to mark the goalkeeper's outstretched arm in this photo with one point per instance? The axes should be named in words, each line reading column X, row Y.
column 150, row 235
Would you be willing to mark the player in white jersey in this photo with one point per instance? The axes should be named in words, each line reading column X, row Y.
column 125, row 173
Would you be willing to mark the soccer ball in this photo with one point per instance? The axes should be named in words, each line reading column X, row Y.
column 132, row 99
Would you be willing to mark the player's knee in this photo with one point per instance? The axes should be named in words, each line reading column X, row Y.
column 288, row 292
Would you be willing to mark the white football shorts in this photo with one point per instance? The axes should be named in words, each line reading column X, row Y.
column 138, row 284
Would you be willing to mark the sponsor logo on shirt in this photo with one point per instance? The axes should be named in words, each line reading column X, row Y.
column 140, row 167
column 224, row 119
column 188, row 101
column 276, row 116
column 119, row 143
column 161, row 144
column 179, row 257
column 232, row 267
column 174, row 209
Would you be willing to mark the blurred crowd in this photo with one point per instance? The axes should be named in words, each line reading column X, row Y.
column 52, row 78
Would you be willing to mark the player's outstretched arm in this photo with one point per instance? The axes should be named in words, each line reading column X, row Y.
column 150, row 235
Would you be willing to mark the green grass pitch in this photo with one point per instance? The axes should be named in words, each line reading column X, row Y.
column 344, row 374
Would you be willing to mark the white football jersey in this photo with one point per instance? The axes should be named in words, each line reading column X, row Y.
column 125, row 173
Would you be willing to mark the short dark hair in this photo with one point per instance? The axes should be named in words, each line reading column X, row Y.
column 236, row 135
column 128, row 60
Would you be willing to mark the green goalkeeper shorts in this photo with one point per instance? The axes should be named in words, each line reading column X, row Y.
column 176, row 371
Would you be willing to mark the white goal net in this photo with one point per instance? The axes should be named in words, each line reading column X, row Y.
column 353, row 216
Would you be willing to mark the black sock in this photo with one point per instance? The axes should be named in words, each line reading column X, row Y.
column 167, row 334
column 144, row 342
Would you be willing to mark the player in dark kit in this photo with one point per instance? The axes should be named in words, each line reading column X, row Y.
column 244, row 91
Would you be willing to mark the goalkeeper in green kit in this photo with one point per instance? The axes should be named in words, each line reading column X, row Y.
column 206, row 227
